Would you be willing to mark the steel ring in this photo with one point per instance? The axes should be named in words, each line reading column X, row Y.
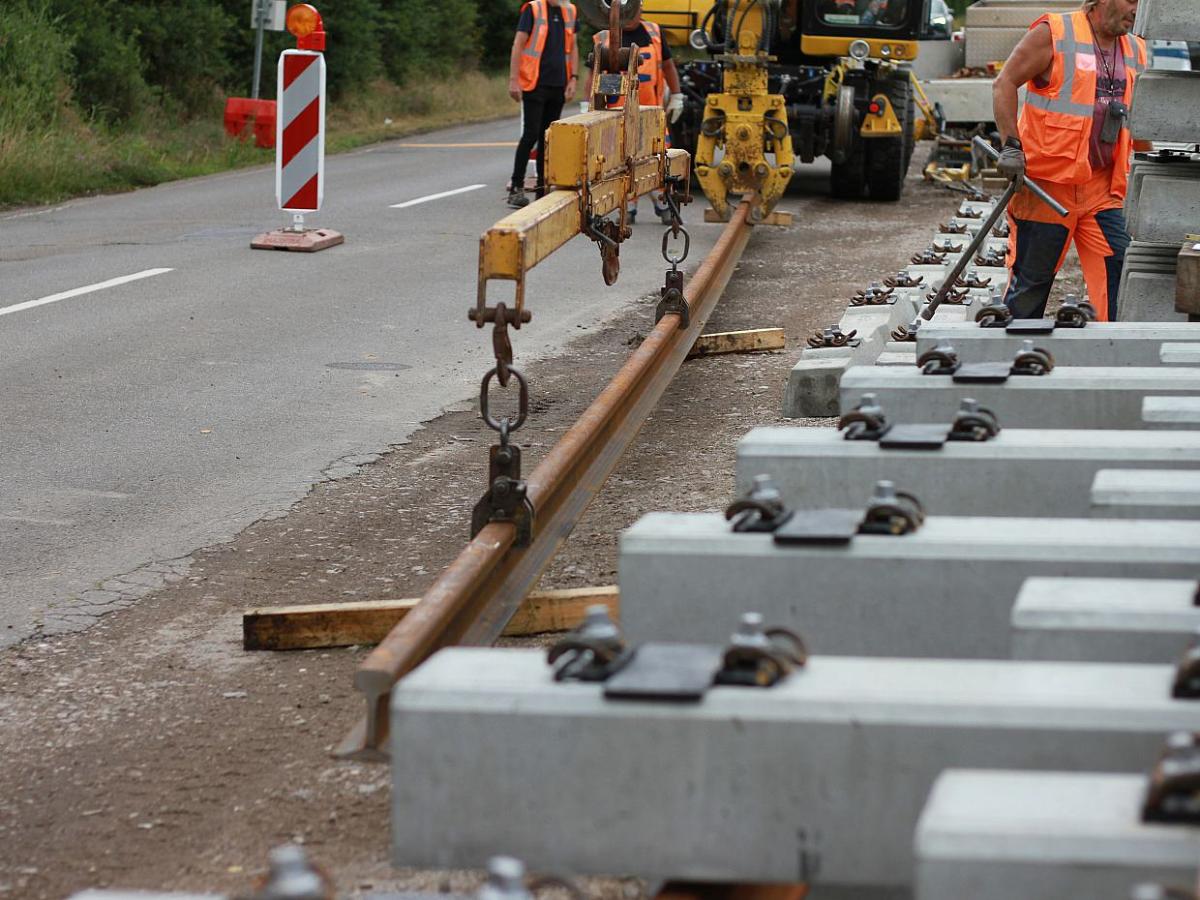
column 676, row 259
column 522, row 401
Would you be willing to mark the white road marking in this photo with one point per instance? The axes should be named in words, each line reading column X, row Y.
column 86, row 289
column 461, row 190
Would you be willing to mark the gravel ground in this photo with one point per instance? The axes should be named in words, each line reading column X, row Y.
column 152, row 752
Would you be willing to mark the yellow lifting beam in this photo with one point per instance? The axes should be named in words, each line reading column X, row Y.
column 595, row 164
column 747, row 123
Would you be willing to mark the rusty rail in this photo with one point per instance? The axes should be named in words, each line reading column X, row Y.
column 477, row 594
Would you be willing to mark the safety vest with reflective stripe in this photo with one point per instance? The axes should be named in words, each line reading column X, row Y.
column 1056, row 121
column 531, row 56
column 651, row 85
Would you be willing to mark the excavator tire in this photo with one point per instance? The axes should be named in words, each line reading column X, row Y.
column 888, row 158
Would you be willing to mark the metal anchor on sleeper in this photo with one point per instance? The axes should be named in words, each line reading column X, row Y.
column 833, row 336
column 593, row 651
column 760, row 510
column 1073, row 313
column 904, row 280
column 874, row 295
column 760, row 657
column 928, row 257
column 943, row 360
column 889, row 512
column 952, row 297
column 1173, row 796
column 868, row 422
column 907, row 333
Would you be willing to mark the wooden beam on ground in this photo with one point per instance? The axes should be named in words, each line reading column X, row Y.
column 738, row 342
column 703, row 890
column 321, row 625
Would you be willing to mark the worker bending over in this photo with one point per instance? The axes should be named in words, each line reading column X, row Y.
column 1072, row 139
column 656, row 73
column 541, row 78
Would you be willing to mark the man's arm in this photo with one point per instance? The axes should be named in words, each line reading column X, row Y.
column 1032, row 57
column 671, row 74
column 514, row 65
column 572, row 81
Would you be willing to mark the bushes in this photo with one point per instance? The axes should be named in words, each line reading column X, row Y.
column 35, row 56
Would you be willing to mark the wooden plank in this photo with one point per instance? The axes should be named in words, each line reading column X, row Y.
column 738, row 342
column 703, row 890
column 320, row 625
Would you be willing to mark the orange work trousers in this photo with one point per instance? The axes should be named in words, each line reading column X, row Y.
column 1039, row 238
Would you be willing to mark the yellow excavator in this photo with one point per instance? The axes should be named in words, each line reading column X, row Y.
column 778, row 79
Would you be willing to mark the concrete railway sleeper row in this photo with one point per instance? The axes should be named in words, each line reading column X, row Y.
column 985, row 687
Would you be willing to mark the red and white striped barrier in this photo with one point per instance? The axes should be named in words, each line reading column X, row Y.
column 300, row 132
column 300, row 136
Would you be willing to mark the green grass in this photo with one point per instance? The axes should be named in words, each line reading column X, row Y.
column 70, row 157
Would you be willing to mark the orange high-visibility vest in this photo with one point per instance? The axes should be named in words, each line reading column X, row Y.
column 651, row 84
column 1056, row 121
column 531, row 56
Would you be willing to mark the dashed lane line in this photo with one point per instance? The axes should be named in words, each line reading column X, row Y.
column 439, row 196
column 86, row 289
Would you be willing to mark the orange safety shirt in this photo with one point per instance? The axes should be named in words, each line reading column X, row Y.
column 651, row 84
column 1056, row 122
column 531, row 56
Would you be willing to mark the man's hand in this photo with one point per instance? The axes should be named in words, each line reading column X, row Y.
column 569, row 92
column 675, row 107
column 1011, row 163
column 514, row 89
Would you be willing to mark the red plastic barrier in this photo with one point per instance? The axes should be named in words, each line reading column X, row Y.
column 239, row 111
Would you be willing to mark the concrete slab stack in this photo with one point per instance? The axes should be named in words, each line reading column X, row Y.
column 1113, row 620
column 1147, row 288
column 1163, row 203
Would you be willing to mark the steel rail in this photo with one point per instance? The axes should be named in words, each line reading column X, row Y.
column 476, row 595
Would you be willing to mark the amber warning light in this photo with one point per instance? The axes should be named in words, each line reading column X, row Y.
column 305, row 23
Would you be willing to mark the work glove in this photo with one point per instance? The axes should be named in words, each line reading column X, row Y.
column 584, row 106
column 1011, row 163
column 675, row 107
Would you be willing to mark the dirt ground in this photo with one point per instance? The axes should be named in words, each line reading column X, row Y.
column 152, row 752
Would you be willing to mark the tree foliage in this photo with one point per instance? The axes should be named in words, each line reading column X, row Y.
column 118, row 59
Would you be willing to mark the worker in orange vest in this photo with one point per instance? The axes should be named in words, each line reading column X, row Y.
column 656, row 73
column 1073, row 139
column 542, row 77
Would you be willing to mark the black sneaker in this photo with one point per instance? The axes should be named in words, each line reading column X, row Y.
column 517, row 199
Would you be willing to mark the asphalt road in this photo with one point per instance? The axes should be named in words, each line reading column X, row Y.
column 146, row 419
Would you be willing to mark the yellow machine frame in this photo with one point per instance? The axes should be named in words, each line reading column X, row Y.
column 747, row 123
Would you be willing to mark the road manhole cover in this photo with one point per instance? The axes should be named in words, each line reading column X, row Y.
column 368, row 366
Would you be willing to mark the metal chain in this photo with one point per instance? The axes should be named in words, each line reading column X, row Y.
column 676, row 229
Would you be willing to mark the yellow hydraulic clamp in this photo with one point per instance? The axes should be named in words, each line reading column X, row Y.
column 596, row 163
column 745, row 121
